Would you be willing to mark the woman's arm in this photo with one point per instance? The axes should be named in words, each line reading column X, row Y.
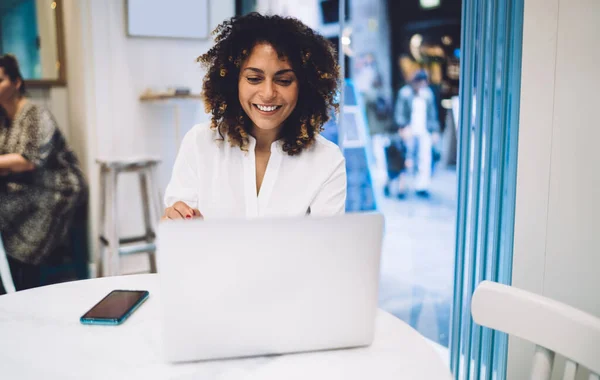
column 37, row 136
column 184, row 183
column 14, row 163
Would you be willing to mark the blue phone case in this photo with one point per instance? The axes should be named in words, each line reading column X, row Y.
column 114, row 321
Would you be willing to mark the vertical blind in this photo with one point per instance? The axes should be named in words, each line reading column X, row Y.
column 491, row 44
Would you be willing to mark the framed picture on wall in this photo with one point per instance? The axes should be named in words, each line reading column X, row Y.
column 172, row 18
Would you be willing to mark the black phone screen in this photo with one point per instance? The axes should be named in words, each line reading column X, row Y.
column 116, row 304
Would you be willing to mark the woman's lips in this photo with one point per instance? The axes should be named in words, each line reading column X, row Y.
column 267, row 110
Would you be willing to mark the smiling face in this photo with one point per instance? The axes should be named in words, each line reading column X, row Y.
column 268, row 88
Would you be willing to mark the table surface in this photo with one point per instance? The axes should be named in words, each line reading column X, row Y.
column 42, row 338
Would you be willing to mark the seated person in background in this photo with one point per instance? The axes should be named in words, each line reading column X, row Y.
column 41, row 183
column 270, row 86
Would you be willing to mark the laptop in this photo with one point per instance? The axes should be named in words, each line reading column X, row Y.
column 237, row 288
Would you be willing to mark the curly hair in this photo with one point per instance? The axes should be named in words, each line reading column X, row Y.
column 311, row 56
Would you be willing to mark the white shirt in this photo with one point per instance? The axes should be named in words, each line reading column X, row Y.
column 418, row 120
column 220, row 180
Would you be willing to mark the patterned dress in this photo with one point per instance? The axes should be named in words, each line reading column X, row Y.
column 37, row 207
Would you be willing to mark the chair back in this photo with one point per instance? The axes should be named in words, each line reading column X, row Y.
column 554, row 327
column 5, row 275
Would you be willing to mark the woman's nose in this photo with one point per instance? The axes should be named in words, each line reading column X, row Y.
column 268, row 90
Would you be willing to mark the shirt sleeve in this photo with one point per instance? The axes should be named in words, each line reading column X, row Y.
column 39, row 132
column 331, row 198
column 185, row 181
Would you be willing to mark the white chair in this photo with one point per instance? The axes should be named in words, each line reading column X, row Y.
column 553, row 326
column 5, row 275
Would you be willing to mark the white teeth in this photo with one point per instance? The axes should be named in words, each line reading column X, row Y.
column 266, row 108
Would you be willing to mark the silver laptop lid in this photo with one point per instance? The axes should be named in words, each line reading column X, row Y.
column 234, row 288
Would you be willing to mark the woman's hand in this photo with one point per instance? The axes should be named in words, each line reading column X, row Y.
column 180, row 210
column 15, row 163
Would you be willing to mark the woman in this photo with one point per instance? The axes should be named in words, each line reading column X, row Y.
column 40, row 181
column 270, row 85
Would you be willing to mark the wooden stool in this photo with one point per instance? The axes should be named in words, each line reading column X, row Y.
column 111, row 245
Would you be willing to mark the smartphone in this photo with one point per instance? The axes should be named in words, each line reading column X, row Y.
column 115, row 307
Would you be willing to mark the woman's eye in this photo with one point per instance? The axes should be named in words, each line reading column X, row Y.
column 285, row 82
column 253, row 79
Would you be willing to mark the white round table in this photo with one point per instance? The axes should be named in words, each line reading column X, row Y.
column 42, row 338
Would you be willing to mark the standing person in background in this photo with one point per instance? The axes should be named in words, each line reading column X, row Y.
column 416, row 116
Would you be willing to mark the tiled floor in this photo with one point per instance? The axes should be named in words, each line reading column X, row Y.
column 418, row 258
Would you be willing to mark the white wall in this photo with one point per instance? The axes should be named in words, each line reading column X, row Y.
column 556, row 227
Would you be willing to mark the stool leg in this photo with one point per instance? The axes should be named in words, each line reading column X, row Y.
column 155, row 192
column 146, row 203
column 156, row 198
column 148, row 221
column 113, row 228
column 101, row 252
